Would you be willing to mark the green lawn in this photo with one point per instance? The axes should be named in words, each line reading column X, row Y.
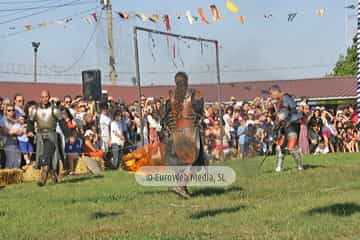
column 322, row 202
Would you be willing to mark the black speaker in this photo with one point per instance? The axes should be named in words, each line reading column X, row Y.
column 91, row 85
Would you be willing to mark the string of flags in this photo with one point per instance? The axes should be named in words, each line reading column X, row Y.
column 167, row 19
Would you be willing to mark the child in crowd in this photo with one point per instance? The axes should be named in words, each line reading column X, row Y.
column 25, row 145
column 242, row 138
column 73, row 150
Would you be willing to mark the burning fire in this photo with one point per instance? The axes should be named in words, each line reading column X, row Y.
column 148, row 155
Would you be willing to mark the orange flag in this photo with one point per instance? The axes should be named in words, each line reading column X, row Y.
column 28, row 27
column 215, row 13
column 241, row 19
column 202, row 16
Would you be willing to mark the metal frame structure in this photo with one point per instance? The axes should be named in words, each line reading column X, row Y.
column 137, row 65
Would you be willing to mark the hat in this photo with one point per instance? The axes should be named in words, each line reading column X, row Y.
column 88, row 133
column 232, row 98
column 104, row 91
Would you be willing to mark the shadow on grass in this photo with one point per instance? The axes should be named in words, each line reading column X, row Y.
column 205, row 192
column 338, row 209
column 215, row 212
column 308, row 166
column 99, row 215
column 156, row 192
column 81, row 179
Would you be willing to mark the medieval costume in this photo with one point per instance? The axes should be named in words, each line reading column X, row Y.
column 182, row 133
column 287, row 123
column 48, row 153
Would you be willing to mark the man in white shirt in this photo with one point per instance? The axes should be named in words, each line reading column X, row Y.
column 104, row 123
column 117, row 139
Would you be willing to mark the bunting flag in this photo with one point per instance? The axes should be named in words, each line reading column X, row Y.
column 190, row 17
column 215, row 13
column 142, row 17
column 154, row 18
column 241, row 19
column 291, row 17
column 63, row 21
column 43, row 24
column 167, row 23
column 174, row 51
column 202, row 16
column 123, row 15
column 231, row 7
column 320, row 12
column 28, row 27
column 178, row 16
column 92, row 19
column 268, row 16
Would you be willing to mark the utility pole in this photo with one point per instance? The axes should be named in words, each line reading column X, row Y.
column 36, row 46
column 112, row 74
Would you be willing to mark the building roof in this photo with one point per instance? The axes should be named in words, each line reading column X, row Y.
column 317, row 88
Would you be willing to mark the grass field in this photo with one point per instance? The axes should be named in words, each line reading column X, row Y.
column 322, row 202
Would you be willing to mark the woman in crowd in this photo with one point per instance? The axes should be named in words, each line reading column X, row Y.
column 153, row 119
column 303, row 135
column 11, row 131
column 89, row 147
column 327, row 119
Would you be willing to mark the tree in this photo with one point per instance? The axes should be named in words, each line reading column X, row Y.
column 347, row 65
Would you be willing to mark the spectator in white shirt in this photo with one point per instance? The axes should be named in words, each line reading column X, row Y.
column 104, row 123
column 117, row 139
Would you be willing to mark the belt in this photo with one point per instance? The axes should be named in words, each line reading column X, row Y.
column 46, row 130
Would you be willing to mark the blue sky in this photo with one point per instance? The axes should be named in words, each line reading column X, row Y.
column 307, row 47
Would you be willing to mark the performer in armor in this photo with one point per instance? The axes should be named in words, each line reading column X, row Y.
column 286, row 127
column 182, row 133
column 46, row 117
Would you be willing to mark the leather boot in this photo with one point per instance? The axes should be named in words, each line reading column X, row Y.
column 43, row 176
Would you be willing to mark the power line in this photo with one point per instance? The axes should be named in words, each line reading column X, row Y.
column 24, row 2
column 24, row 11
column 40, row 7
column 171, row 72
column 85, row 49
column 67, row 17
column 38, row 13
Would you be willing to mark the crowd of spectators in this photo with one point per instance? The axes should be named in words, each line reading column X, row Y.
column 110, row 129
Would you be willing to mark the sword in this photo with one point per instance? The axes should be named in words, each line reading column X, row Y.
column 263, row 160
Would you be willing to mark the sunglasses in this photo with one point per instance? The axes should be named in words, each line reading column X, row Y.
column 11, row 110
column 67, row 101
